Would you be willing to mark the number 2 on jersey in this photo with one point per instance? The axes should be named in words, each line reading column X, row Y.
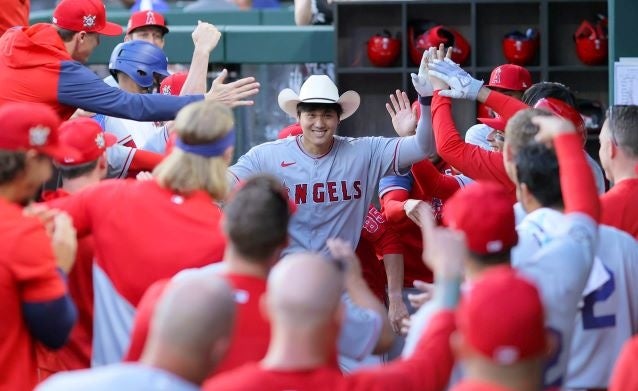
column 591, row 321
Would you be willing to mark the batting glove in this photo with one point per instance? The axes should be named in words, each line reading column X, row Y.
column 421, row 81
column 462, row 85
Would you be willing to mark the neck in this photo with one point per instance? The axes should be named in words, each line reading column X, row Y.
column 9, row 193
column 475, row 269
column 76, row 184
column 519, row 377
column 315, row 150
column 296, row 349
column 625, row 171
column 236, row 264
column 127, row 84
column 186, row 366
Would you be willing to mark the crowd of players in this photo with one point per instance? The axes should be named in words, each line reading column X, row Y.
column 504, row 261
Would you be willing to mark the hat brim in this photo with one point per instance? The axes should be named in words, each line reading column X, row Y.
column 111, row 29
column 59, row 152
column 494, row 123
column 349, row 102
column 164, row 29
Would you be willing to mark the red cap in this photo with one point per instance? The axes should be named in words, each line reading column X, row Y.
column 501, row 316
column 146, row 18
column 172, row 85
column 510, row 77
column 489, row 228
column 85, row 135
column 565, row 111
column 496, row 123
column 32, row 126
column 84, row 15
column 291, row 130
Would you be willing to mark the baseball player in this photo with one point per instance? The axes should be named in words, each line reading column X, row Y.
column 145, row 231
column 35, row 304
column 87, row 169
column 43, row 63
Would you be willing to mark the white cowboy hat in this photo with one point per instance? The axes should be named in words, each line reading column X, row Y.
column 319, row 89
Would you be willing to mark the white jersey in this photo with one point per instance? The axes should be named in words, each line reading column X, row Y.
column 556, row 251
column 141, row 133
column 609, row 314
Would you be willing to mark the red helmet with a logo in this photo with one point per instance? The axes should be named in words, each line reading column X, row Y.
column 591, row 42
column 565, row 111
column 383, row 50
column 519, row 48
column 435, row 36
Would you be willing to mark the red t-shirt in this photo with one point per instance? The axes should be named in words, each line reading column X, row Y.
column 625, row 376
column 620, row 206
column 76, row 353
column 427, row 369
column 251, row 333
column 27, row 274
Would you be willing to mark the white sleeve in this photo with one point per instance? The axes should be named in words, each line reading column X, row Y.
column 118, row 128
column 360, row 330
column 247, row 165
column 119, row 160
column 157, row 142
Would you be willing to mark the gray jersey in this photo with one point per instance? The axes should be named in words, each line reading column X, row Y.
column 608, row 315
column 332, row 192
column 556, row 251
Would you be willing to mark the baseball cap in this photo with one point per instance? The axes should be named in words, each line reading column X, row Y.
column 510, row 77
column 87, row 137
column 489, row 228
column 290, row 130
column 172, row 84
column 84, row 15
column 146, row 18
column 32, row 126
column 501, row 316
column 496, row 123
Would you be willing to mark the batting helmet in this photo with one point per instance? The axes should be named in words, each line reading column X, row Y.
column 519, row 48
column 383, row 50
column 591, row 43
column 565, row 111
column 139, row 60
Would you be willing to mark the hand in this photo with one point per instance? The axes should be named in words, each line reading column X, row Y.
column 463, row 86
column 421, row 81
column 397, row 311
column 43, row 213
column 205, row 36
column 550, row 127
column 79, row 113
column 64, row 241
column 406, row 323
column 404, row 119
column 342, row 250
column 418, row 299
column 445, row 249
column 144, row 176
column 417, row 210
column 234, row 93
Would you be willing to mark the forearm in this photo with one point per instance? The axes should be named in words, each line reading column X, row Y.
column 362, row 296
column 424, row 131
column 196, row 80
column 430, row 181
column 504, row 105
column 303, row 12
column 393, row 264
column 50, row 322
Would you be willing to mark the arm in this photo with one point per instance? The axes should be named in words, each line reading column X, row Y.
column 432, row 182
column 205, row 37
column 504, row 105
column 303, row 12
column 397, row 310
column 50, row 322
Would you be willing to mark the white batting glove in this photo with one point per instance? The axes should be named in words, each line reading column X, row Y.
column 421, row 81
column 462, row 84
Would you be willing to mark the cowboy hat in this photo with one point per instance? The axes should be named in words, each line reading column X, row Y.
column 319, row 89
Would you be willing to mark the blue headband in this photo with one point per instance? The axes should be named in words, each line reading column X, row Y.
column 211, row 149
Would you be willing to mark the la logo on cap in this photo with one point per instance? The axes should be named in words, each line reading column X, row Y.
column 150, row 18
column 38, row 136
column 497, row 76
column 88, row 20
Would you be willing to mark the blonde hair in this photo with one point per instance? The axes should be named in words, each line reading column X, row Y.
column 183, row 172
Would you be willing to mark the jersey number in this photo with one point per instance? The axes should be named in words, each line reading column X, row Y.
column 591, row 321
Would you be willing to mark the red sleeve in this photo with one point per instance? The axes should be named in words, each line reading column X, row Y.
column 625, row 376
column 34, row 265
column 380, row 234
column 392, row 205
column 428, row 369
column 145, row 160
column 430, row 181
column 469, row 159
column 142, row 321
column 504, row 105
column 576, row 179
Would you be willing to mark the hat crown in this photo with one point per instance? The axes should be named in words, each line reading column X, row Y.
column 319, row 87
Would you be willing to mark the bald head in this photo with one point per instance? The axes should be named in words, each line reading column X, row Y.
column 304, row 290
column 194, row 313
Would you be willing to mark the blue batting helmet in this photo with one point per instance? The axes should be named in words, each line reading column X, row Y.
column 140, row 60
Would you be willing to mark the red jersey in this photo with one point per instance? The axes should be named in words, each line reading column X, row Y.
column 472, row 385
column 27, row 274
column 625, row 376
column 620, row 206
column 76, row 353
column 14, row 13
column 428, row 369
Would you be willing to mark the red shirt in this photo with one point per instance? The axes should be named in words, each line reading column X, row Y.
column 625, row 376
column 428, row 369
column 620, row 206
column 472, row 385
column 251, row 333
column 14, row 13
column 27, row 274
column 76, row 353
column 144, row 232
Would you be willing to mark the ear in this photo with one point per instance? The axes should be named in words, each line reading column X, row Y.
column 614, row 150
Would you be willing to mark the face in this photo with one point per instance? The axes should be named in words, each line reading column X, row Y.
column 37, row 171
column 605, row 151
column 151, row 34
column 496, row 138
column 514, row 94
column 319, row 126
column 84, row 45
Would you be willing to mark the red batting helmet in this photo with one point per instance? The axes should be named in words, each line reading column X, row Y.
column 383, row 50
column 591, row 42
column 519, row 48
column 565, row 111
column 435, row 36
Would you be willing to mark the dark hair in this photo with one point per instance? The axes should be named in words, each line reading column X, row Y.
column 256, row 218
column 11, row 164
column 72, row 172
column 495, row 259
column 623, row 127
column 65, row 34
column 548, row 89
column 304, row 107
column 537, row 168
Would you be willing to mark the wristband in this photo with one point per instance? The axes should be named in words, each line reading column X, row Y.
column 425, row 100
